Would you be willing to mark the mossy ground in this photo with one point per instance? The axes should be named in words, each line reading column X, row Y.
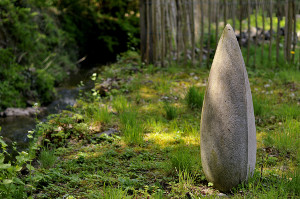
column 159, row 157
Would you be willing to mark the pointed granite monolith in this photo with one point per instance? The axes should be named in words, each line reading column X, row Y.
column 228, row 135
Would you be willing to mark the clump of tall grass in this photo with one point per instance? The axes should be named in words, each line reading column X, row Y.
column 120, row 104
column 287, row 138
column 183, row 159
column 171, row 111
column 194, row 98
column 132, row 128
column 102, row 115
column 47, row 158
column 257, row 106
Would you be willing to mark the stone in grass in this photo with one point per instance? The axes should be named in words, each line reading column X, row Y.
column 228, row 135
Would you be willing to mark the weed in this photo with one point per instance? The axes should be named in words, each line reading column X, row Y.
column 194, row 98
column 102, row 115
column 171, row 111
column 132, row 128
column 120, row 104
column 47, row 158
column 182, row 159
column 287, row 138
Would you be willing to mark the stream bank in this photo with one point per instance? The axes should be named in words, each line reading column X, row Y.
column 15, row 128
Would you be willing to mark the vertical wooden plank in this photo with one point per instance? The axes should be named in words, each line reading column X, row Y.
column 233, row 14
column 148, row 32
column 256, row 33
column 162, row 32
column 286, row 6
column 193, row 31
column 166, row 24
column 278, row 34
column 154, row 30
column 271, row 29
column 178, row 29
column 209, row 33
column 202, row 32
column 217, row 20
column 248, row 40
column 225, row 12
column 295, row 31
column 289, row 32
column 241, row 24
column 263, row 32
column 143, row 28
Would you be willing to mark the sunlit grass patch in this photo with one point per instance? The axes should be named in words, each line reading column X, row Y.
column 132, row 127
column 120, row 104
column 287, row 138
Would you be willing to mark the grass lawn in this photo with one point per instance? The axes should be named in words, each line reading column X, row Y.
column 156, row 151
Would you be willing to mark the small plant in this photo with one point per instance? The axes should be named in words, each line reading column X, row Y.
column 257, row 106
column 171, row 111
column 103, row 115
column 182, row 159
column 194, row 98
column 132, row 128
column 120, row 104
column 47, row 158
column 287, row 139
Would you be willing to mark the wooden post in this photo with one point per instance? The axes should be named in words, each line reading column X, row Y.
column 154, row 30
column 233, row 14
column 225, row 12
column 271, row 29
column 148, row 32
column 143, row 32
column 193, row 31
column 162, row 32
column 256, row 33
column 248, row 40
column 217, row 21
column 263, row 32
column 289, row 30
column 178, row 30
column 241, row 24
column 295, row 31
column 209, row 33
column 202, row 32
column 278, row 36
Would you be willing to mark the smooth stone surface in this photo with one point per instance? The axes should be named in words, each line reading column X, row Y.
column 17, row 112
column 228, row 134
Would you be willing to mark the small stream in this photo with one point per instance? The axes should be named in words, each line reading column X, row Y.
column 14, row 129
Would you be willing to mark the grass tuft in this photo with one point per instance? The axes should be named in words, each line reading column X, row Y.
column 132, row 128
column 171, row 111
column 47, row 158
column 194, row 98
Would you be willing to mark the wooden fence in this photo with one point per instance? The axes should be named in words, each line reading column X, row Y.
column 188, row 30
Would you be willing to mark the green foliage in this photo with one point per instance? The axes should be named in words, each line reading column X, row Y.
column 47, row 158
column 182, row 159
column 120, row 104
column 132, row 127
column 33, row 51
column 194, row 98
column 171, row 111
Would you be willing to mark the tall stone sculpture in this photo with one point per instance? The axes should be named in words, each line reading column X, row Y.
column 228, row 135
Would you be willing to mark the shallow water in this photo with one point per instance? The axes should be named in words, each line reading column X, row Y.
column 14, row 129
